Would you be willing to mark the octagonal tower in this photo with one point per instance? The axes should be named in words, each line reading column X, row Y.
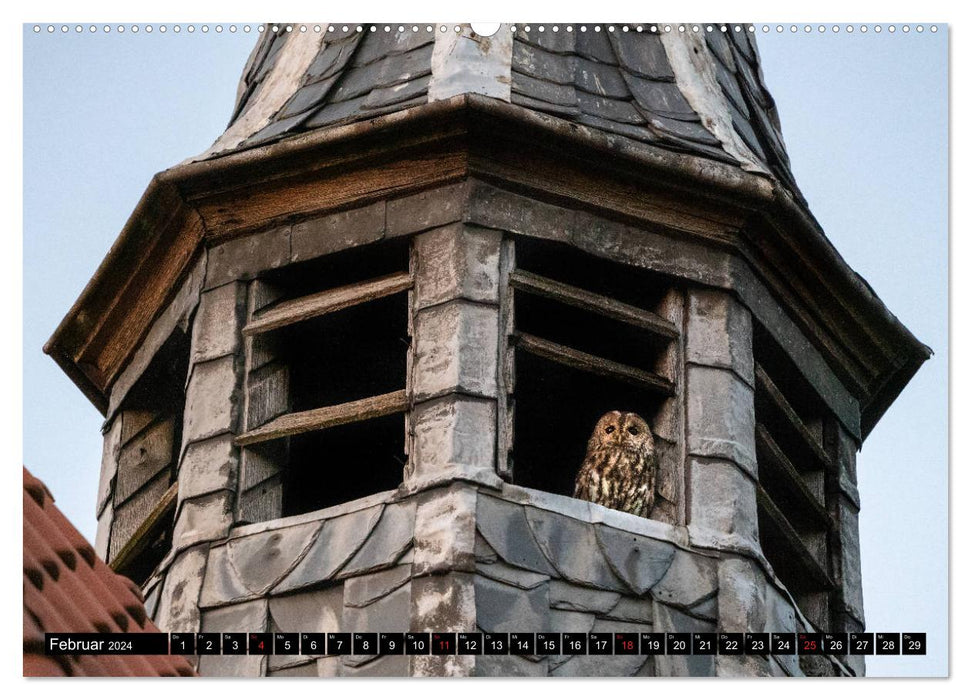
column 349, row 357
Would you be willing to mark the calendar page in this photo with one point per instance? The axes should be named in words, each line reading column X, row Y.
column 544, row 349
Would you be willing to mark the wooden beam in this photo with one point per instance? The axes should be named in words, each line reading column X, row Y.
column 589, row 301
column 764, row 384
column 772, row 458
column 593, row 364
column 268, row 201
column 296, row 310
column 326, row 417
column 724, row 209
column 797, row 553
column 154, row 523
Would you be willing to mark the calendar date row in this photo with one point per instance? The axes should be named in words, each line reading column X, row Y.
column 549, row 643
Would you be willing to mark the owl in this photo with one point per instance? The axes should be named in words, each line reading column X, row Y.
column 620, row 468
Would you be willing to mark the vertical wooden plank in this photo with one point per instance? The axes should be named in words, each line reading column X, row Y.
column 506, row 362
column 266, row 395
column 669, row 423
column 133, row 422
column 262, row 502
column 414, row 263
column 130, row 515
column 143, row 457
column 261, row 348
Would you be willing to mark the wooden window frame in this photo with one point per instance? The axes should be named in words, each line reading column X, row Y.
column 156, row 402
column 293, row 311
column 515, row 281
column 607, row 307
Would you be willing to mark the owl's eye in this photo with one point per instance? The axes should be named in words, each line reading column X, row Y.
column 609, row 429
column 632, row 430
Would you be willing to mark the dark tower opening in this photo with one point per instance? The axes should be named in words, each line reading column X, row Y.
column 151, row 417
column 556, row 408
column 587, row 341
column 795, row 461
column 331, row 361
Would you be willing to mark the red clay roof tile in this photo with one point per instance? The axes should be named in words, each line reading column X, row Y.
column 67, row 588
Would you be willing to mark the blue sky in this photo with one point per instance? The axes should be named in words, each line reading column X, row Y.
column 865, row 120
column 864, row 117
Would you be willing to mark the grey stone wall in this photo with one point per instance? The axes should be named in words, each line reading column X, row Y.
column 552, row 563
column 347, row 568
column 535, row 562
column 721, row 463
column 455, row 548
column 208, row 469
column 454, row 371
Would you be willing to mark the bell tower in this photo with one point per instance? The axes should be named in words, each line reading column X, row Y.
column 350, row 356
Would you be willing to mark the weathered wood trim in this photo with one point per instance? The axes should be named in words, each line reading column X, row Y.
column 797, row 550
column 784, row 469
column 292, row 311
column 154, row 522
column 764, row 383
column 339, row 146
column 154, row 285
column 807, row 315
column 589, row 301
column 277, row 203
column 593, row 364
column 326, row 417
column 337, row 168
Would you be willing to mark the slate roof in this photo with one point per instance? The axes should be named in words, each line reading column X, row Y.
column 619, row 82
column 355, row 76
column 67, row 588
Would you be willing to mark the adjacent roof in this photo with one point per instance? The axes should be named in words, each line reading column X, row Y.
column 67, row 588
column 693, row 93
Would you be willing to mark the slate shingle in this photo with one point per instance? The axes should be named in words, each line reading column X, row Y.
column 640, row 132
column 547, row 107
column 332, row 58
column 308, row 97
column 615, row 110
column 596, row 46
column 396, row 94
column 690, row 131
column 642, row 54
column 380, row 44
column 537, row 63
column 544, row 90
column 599, row 79
column 664, row 99
column 560, row 41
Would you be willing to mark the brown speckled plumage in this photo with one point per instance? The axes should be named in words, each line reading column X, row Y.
column 620, row 468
